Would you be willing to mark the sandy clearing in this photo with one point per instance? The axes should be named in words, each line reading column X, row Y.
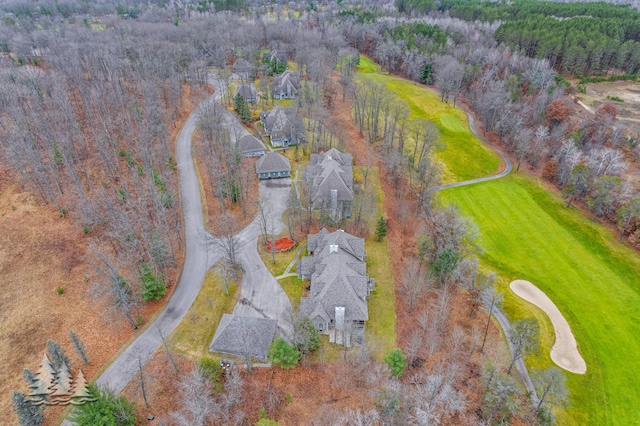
column 565, row 350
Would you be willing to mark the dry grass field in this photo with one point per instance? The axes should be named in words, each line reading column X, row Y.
column 628, row 111
column 40, row 252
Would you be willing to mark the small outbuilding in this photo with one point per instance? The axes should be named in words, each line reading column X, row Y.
column 272, row 166
column 244, row 336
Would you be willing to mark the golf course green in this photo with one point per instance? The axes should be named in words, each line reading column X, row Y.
column 464, row 156
column 527, row 233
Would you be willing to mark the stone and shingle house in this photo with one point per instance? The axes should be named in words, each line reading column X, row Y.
column 244, row 336
column 272, row 166
column 286, row 85
column 283, row 125
column 250, row 146
column 340, row 287
column 330, row 178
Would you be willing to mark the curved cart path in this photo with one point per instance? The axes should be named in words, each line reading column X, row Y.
column 507, row 161
column 472, row 125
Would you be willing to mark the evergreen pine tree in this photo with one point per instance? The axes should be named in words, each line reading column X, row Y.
column 426, row 76
column 79, row 346
column 57, row 355
column 381, row 229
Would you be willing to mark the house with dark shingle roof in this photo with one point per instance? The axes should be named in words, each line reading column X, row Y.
column 244, row 336
column 283, row 125
column 241, row 65
column 330, row 175
column 272, row 166
column 340, row 287
column 250, row 146
column 286, row 85
column 248, row 92
column 276, row 55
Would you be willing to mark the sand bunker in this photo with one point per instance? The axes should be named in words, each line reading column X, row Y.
column 565, row 351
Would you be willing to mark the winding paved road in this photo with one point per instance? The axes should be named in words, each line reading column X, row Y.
column 258, row 285
column 199, row 255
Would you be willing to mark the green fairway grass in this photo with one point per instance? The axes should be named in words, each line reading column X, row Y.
column 527, row 233
column 465, row 156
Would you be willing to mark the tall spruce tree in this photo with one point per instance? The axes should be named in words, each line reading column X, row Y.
column 57, row 355
column 381, row 229
column 79, row 346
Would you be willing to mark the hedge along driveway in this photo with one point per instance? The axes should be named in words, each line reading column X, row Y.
column 465, row 156
column 527, row 233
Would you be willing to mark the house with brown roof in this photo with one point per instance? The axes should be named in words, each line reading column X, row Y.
column 273, row 166
column 330, row 175
column 340, row 287
column 250, row 146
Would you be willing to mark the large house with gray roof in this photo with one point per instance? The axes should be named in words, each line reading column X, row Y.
column 340, row 287
column 286, row 85
column 272, row 166
column 244, row 336
column 330, row 175
column 283, row 125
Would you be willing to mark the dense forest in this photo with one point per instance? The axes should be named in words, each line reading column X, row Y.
column 576, row 38
column 87, row 104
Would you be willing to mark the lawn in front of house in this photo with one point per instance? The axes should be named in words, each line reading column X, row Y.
column 193, row 335
column 527, row 233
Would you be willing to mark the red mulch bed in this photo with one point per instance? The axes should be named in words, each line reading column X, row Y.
column 282, row 244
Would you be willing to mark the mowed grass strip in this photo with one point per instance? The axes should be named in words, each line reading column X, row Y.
column 193, row 335
column 381, row 327
column 527, row 233
column 465, row 156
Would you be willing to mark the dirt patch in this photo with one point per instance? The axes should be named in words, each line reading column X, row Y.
column 565, row 350
column 628, row 111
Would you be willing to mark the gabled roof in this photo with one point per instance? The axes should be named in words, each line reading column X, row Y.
column 277, row 119
column 273, row 162
column 328, row 171
column 249, row 143
column 246, row 91
column 287, row 78
column 338, row 277
column 241, row 65
column 240, row 335
column 278, row 55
